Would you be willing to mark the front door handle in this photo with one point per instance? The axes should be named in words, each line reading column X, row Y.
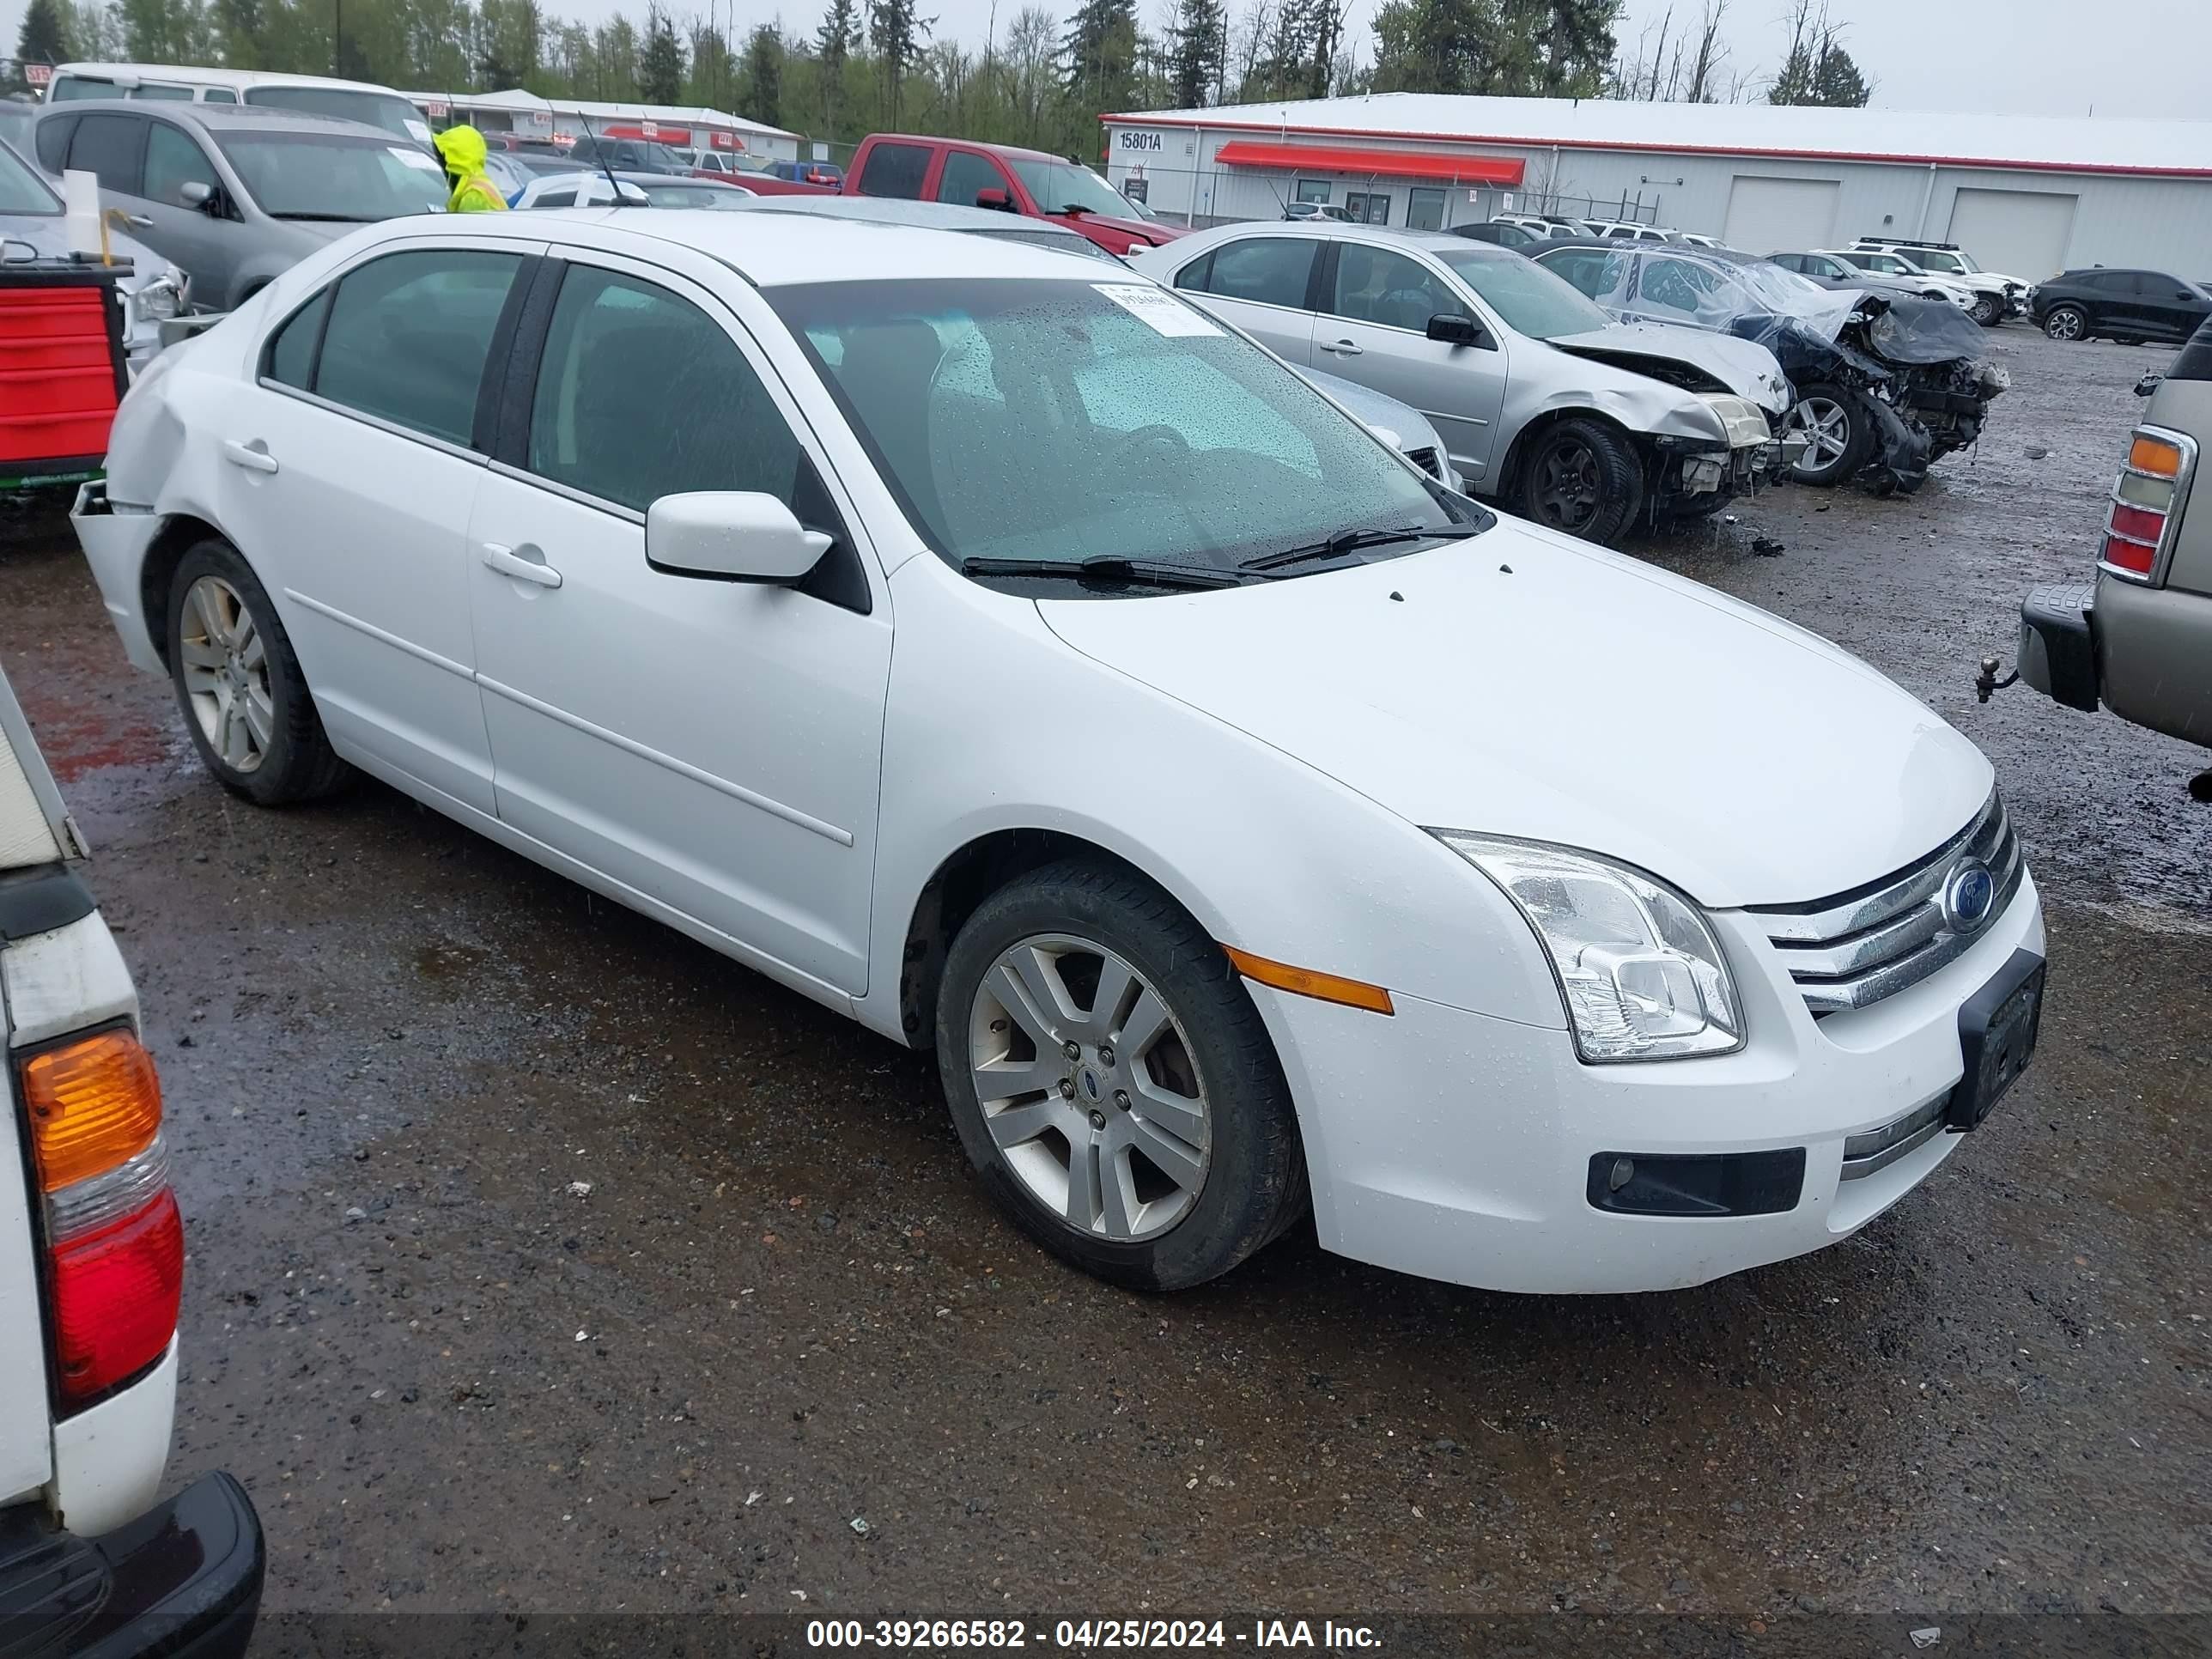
column 137, row 221
column 254, row 457
column 509, row 562
column 1344, row 348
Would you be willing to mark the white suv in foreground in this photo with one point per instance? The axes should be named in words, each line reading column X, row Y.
column 998, row 650
column 92, row 1259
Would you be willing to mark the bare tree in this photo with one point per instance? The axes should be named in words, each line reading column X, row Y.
column 1712, row 53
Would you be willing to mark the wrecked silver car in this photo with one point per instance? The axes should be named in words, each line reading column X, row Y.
column 1886, row 384
column 1547, row 404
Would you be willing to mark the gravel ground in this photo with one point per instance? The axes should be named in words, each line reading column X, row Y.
column 454, row 1380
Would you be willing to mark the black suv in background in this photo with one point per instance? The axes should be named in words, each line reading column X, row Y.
column 2127, row 305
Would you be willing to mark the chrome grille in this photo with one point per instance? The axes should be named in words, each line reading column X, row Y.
column 1852, row 950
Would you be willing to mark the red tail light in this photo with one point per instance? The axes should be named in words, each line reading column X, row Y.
column 115, row 1299
column 2152, row 485
column 115, row 1244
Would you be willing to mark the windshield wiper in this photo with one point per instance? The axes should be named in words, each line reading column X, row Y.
column 1351, row 541
column 1107, row 569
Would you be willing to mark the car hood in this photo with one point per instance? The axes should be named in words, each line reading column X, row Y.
column 1748, row 370
column 1374, row 408
column 1146, row 231
column 1520, row 683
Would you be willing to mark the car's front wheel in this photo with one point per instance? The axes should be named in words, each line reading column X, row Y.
column 1837, row 433
column 1111, row 1081
column 2066, row 323
column 1987, row 311
column 244, row 701
column 1583, row 478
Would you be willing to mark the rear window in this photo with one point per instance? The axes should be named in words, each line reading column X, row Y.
column 895, row 170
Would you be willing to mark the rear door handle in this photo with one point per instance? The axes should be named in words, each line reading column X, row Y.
column 1344, row 348
column 509, row 562
column 254, row 457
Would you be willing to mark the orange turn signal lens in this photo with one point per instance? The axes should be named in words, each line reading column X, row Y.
column 94, row 1103
column 1305, row 982
column 2155, row 455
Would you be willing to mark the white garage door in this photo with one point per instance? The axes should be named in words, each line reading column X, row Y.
column 2022, row 232
column 1781, row 215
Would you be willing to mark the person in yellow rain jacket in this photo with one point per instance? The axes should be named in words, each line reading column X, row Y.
column 462, row 150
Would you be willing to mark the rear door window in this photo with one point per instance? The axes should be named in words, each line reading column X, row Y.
column 1268, row 270
column 408, row 336
column 110, row 146
column 895, row 170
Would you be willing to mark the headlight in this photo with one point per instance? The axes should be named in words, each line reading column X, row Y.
column 1642, row 974
column 163, row 297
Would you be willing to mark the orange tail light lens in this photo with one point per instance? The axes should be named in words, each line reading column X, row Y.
column 2153, row 455
column 94, row 1105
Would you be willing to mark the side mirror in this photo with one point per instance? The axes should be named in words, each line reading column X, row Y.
column 1387, row 435
column 1455, row 329
column 994, row 199
column 729, row 536
column 205, row 198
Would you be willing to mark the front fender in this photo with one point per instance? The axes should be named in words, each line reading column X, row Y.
column 1652, row 410
column 1265, row 852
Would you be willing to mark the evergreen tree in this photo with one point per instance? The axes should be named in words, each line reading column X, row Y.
column 44, row 37
column 896, row 33
column 837, row 38
column 1196, row 41
column 615, row 62
column 763, row 100
column 660, row 65
column 1432, row 45
column 1098, row 51
column 1837, row 82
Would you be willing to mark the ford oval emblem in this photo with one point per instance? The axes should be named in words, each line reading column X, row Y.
column 1970, row 894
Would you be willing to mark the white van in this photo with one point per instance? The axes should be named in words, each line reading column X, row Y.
column 316, row 95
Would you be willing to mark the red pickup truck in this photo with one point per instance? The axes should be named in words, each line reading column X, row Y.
column 1024, row 181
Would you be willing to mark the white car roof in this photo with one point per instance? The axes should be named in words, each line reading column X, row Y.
column 772, row 250
column 193, row 74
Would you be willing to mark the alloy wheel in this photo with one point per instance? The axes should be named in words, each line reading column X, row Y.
column 226, row 674
column 2063, row 325
column 1826, row 425
column 1088, row 1087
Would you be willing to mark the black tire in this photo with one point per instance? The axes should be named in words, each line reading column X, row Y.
column 1254, row 1187
column 1858, row 436
column 1909, row 483
column 2066, row 322
column 297, row 763
column 1987, row 311
column 1583, row 478
column 2126, row 340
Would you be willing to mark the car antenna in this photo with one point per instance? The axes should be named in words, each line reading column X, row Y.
column 600, row 151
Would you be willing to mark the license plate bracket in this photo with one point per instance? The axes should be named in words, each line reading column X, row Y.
column 1997, row 1030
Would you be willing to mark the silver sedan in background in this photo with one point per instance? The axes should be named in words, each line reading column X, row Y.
column 1546, row 403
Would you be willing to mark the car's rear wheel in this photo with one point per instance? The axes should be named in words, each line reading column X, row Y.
column 2066, row 323
column 1111, row 1081
column 244, row 701
column 1986, row 311
column 1837, row 433
column 1583, row 478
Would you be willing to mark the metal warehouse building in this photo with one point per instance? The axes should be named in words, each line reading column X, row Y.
column 2026, row 195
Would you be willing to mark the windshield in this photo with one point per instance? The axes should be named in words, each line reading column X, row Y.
column 1063, row 421
column 313, row 175
column 1059, row 186
column 387, row 109
column 1533, row 300
column 22, row 190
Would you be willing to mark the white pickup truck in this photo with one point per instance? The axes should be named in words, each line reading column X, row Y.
column 92, row 1256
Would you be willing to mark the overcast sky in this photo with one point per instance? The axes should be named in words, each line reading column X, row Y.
column 2017, row 57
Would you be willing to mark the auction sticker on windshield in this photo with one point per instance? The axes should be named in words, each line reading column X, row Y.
column 413, row 158
column 1158, row 310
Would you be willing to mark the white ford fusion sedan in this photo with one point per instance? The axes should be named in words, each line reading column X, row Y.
column 1004, row 652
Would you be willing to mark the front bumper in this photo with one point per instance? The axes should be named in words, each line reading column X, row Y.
column 182, row 1581
column 1463, row 1147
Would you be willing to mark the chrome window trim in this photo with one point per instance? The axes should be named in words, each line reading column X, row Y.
column 460, row 452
